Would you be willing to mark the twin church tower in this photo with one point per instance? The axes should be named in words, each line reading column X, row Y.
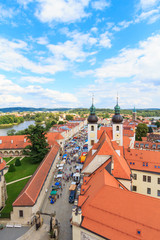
column 117, row 126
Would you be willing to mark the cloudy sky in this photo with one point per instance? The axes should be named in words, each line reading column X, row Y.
column 57, row 53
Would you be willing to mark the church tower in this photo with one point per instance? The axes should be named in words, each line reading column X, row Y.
column 134, row 115
column 117, row 126
column 92, row 127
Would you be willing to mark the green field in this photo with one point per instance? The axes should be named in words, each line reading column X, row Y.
column 13, row 161
column 7, row 159
column 13, row 190
column 24, row 170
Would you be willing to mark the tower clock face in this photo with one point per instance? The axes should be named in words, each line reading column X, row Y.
column 117, row 135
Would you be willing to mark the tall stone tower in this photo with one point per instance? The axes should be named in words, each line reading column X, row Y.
column 92, row 127
column 134, row 115
column 117, row 126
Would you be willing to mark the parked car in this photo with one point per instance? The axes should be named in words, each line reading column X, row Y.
column 72, row 196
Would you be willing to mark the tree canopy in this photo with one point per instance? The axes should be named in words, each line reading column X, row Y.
column 39, row 146
column 141, row 131
column 69, row 117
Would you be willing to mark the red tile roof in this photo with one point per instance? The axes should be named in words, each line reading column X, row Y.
column 21, row 141
column 2, row 164
column 144, row 160
column 30, row 193
column 107, row 147
column 13, row 142
column 116, row 213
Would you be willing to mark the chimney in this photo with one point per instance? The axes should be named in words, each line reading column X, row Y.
column 24, row 139
column 11, row 141
column 76, row 215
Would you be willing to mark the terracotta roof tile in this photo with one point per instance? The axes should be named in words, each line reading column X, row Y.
column 115, row 213
column 30, row 193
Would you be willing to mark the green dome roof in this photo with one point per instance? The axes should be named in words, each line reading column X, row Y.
column 92, row 109
column 134, row 110
column 117, row 109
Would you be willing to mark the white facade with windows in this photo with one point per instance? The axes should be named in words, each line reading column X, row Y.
column 147, row 183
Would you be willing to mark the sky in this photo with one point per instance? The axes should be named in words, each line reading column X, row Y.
column 58, row 53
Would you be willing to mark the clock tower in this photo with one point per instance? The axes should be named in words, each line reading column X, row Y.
column 117, row 126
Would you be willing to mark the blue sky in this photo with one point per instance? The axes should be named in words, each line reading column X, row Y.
column 57, row 53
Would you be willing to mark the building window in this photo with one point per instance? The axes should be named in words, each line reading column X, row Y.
column 20, row 213
column 135, row 176
column 149, row 178
column 158, row 193
column 117, row 128
column 134, row 188
column 148, row 190
column 92, row 128
column 158, row 180
column 92, row 142
column 144, row 178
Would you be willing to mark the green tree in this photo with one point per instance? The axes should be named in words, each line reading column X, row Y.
column 158, row 124
column 150, row 130
column 11, row 132
column 17, row 162
column 39, row 146
column 141, row 131
column 11, row 168
column 69, row 117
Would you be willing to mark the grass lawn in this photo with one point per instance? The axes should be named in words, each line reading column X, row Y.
column 13, row 191
column 24, row 170
column 13, row 161
column 7, row 159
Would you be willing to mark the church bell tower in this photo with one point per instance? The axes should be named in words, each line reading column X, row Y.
column 92, row 127
column 117, row 126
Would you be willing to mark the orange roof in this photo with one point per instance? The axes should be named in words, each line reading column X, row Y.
column 144, row 160
column 115, row 213
column 128, row 133
column 21, row 141
column 2, row 164
column 13, row 142
column 30, row 193
column 107, row 147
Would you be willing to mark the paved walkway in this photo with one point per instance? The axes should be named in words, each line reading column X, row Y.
column 18, row 180
column 11, row 160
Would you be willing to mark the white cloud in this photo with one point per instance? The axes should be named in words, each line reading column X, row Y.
column 9, row 99
column 53, row 95
column 42, row 40
column 6, row 13
column 105, row 40
column 145, row 4
column 61, row 10
column 24, row 2
column 74, row 49
column 33, row 79
column 100, row 4
column 8, row 86
column 33, row 95
column 141, row 63
column 151, row 15
column 12, row 59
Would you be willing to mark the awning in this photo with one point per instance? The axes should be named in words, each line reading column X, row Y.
column 57, row 183
column 53, row 192
column 59, row 176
